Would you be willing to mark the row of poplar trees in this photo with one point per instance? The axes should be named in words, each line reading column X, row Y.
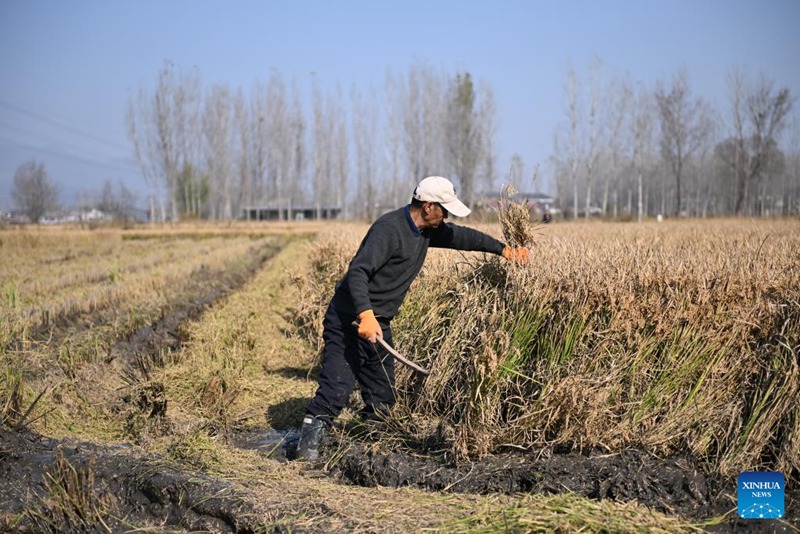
column 212, row 152
column 623, row 149
column 626, row 149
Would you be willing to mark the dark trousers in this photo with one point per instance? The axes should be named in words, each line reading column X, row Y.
column 347, row 358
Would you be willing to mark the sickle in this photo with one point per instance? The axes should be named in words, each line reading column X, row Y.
column 397, row 355
column 402, row 359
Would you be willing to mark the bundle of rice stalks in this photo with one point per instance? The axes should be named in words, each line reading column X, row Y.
column 515, row 219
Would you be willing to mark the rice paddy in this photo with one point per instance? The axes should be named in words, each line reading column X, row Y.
column 674, row 338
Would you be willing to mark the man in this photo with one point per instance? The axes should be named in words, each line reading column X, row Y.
column 387, row 262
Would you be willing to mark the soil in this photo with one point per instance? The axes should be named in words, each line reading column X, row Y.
column 200, row 291
column 144, row 489
column 147, row 490
column 675, row 486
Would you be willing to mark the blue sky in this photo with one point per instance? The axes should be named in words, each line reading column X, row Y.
column 68, row 68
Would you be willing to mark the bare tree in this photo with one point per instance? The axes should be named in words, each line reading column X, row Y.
column 436, row 157
column 574, row 139
column 218, row 151
column 791, row 186
column 758, row 115
column 33, row 192
column 413, row 118
column 619, row 98
column 165, row 130
column 243, row 123
column 685, row 125
column 595, row 130
column 516, row 172
column 364, row 119
column 117, row 203
column 256, row 149
column 560, row 166
column 146, row 165
column 323, row 185
column 190, row 191
column 165, row 144
column 487, row 120
column 340, row 153
column 464, row 134
column 298, row 160
column 280, row 143
column 394, row 143
column 642, row 132
column 703, row 168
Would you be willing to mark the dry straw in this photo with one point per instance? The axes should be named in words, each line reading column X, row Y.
column 515, row 219
column 665, row 337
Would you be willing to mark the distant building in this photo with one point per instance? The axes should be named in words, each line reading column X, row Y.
column 295, row 213
column 13, row 217
column 93, row 214
column 77, row 216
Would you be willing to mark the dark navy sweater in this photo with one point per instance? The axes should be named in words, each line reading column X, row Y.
column 390, row 258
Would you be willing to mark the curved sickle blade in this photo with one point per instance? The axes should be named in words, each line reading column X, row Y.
column 402, row 359
column 398, row 356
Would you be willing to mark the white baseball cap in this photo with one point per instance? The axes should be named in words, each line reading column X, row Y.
column 441, row 190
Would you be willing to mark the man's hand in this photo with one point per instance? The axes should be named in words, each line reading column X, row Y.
column 368, row 326
column 519, row 255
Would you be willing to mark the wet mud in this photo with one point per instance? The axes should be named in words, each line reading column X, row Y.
column 127, row 488
column 144, row 490
column 151, row 342
column 676, row 485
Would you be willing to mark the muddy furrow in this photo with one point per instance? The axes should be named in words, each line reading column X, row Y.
column 674, row 486
column 150, row 343
column 201, row 288
column 122, row 488
column 125, row 486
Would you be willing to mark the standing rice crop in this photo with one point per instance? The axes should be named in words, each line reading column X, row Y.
column 667, row 342
column 668, row 337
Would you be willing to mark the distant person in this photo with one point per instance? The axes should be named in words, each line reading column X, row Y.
column 547, row 215
column 370, row 293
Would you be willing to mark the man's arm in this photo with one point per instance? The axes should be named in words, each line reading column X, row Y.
column 463, row 238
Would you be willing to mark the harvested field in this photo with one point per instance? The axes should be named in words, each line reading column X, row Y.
column 153, row 379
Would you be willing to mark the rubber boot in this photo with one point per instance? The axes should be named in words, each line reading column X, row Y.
column 311, row 433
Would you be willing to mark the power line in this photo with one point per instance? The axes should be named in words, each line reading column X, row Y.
column 66, row 157
column 17, row 128
column 35, row 115
column 41, row 138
